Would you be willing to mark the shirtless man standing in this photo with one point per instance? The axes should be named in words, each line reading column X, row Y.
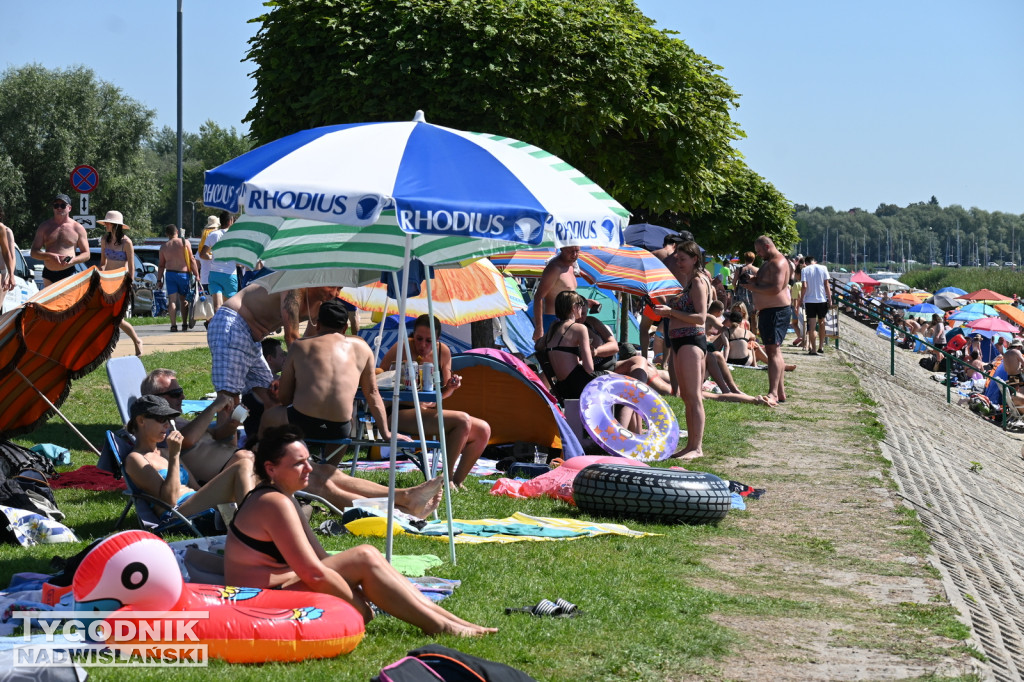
column 245, row 319
column 56, row 241
column 559, row 275
column 770, row 287
column 178, row 266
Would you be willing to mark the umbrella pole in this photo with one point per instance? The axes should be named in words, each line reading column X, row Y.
column 380, row 330
column 403, row 290
column 435, row 382
column 59, row 413
column 419, row 415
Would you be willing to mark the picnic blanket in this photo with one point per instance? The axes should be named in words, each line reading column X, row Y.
column 516, row 528
column 87, row 477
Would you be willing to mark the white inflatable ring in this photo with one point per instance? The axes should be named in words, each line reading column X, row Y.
column 597, row 403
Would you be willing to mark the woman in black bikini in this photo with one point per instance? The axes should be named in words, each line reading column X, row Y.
column 689, row 344
column 270, row 546
column 734, row 340
column 570, row 354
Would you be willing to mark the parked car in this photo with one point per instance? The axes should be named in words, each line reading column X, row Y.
column 35, row 265
column 150, row 255
column 24, row 284
column 993, row 264
column 952, row 264
column 1009, row 264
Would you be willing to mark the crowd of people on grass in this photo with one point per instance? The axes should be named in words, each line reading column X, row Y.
column 308, row 387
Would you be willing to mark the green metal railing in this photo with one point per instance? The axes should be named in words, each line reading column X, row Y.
column 843, row 295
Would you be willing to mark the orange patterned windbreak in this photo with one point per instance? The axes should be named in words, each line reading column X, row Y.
column 62, row 333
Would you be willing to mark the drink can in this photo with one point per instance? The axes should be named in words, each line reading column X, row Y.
column 427, row 381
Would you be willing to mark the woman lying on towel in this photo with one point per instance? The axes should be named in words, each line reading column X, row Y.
column 164, row 476
column 270, row 546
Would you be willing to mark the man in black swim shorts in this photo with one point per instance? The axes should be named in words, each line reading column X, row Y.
column 211, row 455
column 57, row 240
column 316, row 428
column 770, row 287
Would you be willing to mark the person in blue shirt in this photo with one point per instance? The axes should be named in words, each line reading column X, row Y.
column 1010, row 370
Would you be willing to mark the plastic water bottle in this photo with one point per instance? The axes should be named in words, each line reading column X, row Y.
column 539, row 457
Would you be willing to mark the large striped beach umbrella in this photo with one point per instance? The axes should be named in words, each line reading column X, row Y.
column 628, row 269
column 523, row 262
column 60, row 334
column 436, row 182
column 439, row 181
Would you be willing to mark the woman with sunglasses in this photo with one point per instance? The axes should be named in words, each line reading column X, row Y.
column 117, row 251
column 164, row 476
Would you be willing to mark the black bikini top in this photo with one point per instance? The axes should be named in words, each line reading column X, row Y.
column 266, row 547
column 573, row 350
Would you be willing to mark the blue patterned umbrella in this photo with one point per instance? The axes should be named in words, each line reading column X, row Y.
column 924, row 310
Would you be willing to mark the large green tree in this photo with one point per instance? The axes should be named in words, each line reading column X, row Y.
column 210, row 147
column 592, row 81
column 53, row 120
column 749, row 206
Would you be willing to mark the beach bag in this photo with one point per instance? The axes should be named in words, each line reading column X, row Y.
column 832, row 323
column 454, row 666
column 204, row 307
column 408, row 669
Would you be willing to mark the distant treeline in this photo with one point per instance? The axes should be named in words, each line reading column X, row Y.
column 924, row 232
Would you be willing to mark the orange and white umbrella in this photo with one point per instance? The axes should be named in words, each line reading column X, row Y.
column 60, row 334
column 461, row 295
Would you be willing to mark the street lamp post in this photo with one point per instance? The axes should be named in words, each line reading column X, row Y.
column 193, row 216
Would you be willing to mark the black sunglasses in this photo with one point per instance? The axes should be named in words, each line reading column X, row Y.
column 61, row 204
column 163, row 419
column 174, row 393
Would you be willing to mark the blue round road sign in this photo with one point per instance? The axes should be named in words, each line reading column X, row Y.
column 84, row 179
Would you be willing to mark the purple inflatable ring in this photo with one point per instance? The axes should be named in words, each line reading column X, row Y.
column 597, row 413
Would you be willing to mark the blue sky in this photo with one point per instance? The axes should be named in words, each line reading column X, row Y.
column 844, row 104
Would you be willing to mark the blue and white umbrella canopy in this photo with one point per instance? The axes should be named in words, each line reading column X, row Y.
column 439, row 181
column 924, row 310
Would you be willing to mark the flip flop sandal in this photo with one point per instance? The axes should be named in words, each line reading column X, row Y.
column 567, row 609
column 544, row 608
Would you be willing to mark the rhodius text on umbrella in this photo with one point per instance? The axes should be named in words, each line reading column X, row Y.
column 220, row 195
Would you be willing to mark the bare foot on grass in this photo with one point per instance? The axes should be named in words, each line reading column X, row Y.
column 421, row 501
